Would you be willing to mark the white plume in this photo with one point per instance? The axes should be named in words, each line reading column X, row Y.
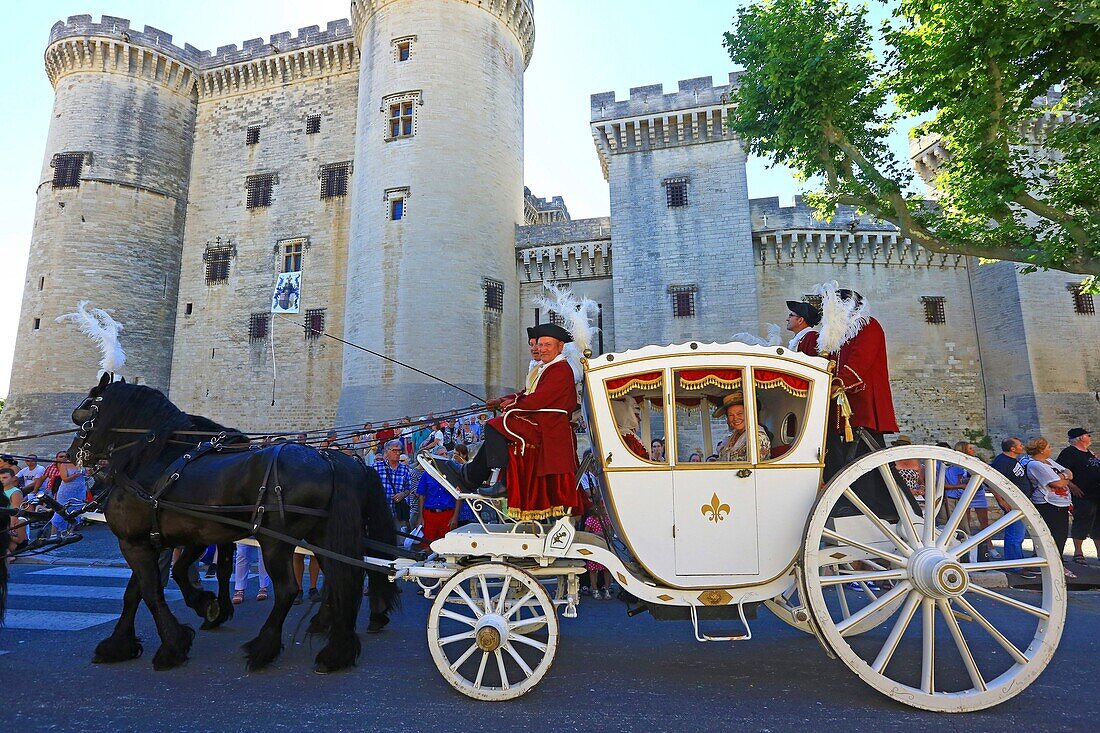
column 577, row 313
column 749, row 338
column 841, row 319
column 103, row 329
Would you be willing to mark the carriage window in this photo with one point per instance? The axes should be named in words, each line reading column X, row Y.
column 711, row 422
column 780, row 408
column 637, row 404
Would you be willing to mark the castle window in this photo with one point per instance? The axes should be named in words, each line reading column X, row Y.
column 41, row 282
column 315, row 323
column 66, row 169
column 934, row 309
column 1082, row 301
column 683, row 300
column 814, row 300
column 216, row 258
column 258, row 326
column 396, row 203
column 334, row 179
column 494, row 294
column 676, row 192
column 313, row 124
column 400, row 110
column 259, row 190
column 252, row 135
column 292, row 257
column 189, row 309
column 37, row 323
column 556, row 318
column 402, row 48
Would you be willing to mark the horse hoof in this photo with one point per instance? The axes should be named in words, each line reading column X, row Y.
column 110, row 651
column 213, row 610
column 378, row 622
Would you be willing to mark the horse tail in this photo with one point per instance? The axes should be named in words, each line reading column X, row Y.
column 378, row 519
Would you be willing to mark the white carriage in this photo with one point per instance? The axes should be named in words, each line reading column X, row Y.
column 896, row 598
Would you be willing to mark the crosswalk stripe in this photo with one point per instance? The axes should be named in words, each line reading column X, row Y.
column 96, row 592
column 54, row 620
column 71, row 570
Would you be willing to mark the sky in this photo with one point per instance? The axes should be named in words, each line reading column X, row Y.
column 582, row 47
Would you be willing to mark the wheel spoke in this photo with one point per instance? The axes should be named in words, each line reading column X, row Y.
column 519, row 660
column 478, row 611
column 503, row 597
column 864, row 578
column 841, row 539
column 1031, row 562
column 845, row 626
column 964, row 547
column 933, row 493
column 465, row 655
column 992, row 630
column 894, row 638
column 448, row 613
column 533, row 621
column 976, row 678
column 900, row 504
column 961, row 508
column 928, row 644
column 877, row 521
column 842, row 597
column 456, row 637
column 528, row 641
column 481, row 669
column 519, row 604
column 1008, row 601
column 500, row 667
column 486, row 596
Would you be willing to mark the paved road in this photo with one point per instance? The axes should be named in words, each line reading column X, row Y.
column 611, row 673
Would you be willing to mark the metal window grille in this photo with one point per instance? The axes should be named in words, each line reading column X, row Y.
column 676, row 192
column 216, row 258
column 494, row 294
column 334, row 180
column 292, row 257
column 683, row 300
column 252, row 135
column 259, row 190
column 556, row 318
column 315, row 323
column 258, row 326
column 814, row 300
column 66, row 169
column 1082, row 302
column 934, row 309
column 313, row 124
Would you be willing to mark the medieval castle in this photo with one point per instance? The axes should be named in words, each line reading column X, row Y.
column 382, row 158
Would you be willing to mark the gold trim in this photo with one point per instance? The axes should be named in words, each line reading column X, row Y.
column 717, row 597
column 717, row 510
column 621, row 578
column 582, row 551
column 664, row 597
column 801, row 433
column 719, row 354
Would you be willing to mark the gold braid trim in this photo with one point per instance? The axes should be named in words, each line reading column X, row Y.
column 521, row 515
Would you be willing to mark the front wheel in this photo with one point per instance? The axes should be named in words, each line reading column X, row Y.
column 947, row 643
column 493, row 631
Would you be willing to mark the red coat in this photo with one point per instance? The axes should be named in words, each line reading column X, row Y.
column 862, row 367
column 548, row 432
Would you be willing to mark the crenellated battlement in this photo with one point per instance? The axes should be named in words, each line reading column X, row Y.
column 652, row 100
column 82, row 26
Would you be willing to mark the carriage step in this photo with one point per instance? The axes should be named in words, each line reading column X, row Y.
column 737, row 636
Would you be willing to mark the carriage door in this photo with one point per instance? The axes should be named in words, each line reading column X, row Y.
column 714, row 484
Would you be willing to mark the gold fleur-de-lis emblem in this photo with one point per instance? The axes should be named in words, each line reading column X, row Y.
column 715, row 511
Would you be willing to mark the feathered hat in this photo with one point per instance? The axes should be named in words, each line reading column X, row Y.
column 843, row 313
column 576, row 314
column 103, row 329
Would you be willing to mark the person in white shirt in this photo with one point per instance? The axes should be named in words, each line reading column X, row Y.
column 1050, row 491
column 802, row 319
column 30, row 476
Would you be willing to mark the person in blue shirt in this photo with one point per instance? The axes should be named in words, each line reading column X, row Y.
column 1007, row 462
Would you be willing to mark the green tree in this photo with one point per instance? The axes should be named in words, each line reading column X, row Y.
column 1021, row 177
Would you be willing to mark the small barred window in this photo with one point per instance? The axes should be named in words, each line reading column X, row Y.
column 259, row 190
column 676, row 192
column 66, row 169
column 334, row 180
column 494, row 294
column 556, row 318
column 934, row 309
column 258, row 326
column 315, row 323
column 216, row 259
column 814, row 300
column 1082, row 302
column 313, row 124
column 683, row 300
column 252, row 135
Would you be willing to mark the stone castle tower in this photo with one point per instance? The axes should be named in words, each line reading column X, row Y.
column 110, row 214
column 438, row 193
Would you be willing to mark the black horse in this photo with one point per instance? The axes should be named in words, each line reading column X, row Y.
column 324, row 498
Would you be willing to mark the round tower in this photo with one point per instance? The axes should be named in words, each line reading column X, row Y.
column 109, row 216
column 438, row 191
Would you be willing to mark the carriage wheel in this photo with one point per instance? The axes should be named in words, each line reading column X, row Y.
column 789, row 609
column 948, row 644
column 496, row 640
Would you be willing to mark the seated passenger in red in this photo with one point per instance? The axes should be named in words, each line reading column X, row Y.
column 532, row 440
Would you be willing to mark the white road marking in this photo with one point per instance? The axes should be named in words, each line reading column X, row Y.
column 98, row 592
column 86, row 572
column 55, row 620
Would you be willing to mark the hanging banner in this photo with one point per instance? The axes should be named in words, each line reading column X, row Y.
column 288, row 291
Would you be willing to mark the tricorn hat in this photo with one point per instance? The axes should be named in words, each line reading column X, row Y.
column 809, row 313
column 531, row 332
column 733, row 398
column 552, row 330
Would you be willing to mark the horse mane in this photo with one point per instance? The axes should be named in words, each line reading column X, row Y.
column 203, row 424
column 137, row 406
